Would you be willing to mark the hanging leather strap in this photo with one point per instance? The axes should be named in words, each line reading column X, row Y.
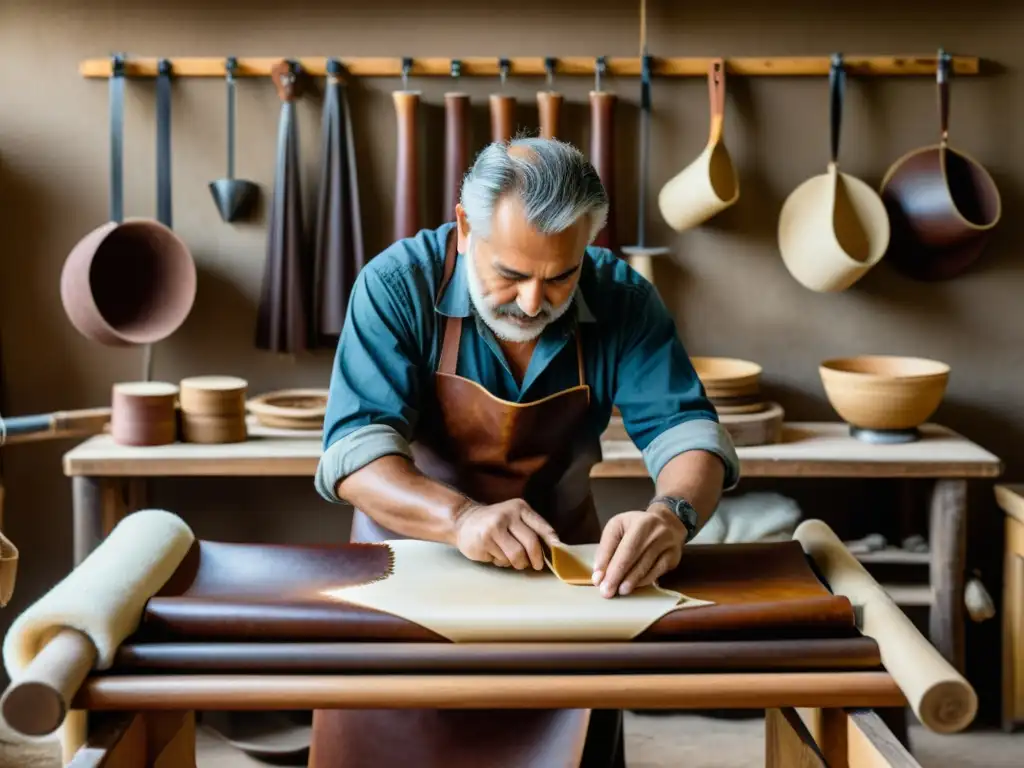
column 163, row 143
column 117, row 139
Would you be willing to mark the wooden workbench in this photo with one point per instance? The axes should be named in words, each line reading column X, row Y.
column 108, row 481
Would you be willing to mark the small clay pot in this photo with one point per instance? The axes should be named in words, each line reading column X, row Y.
column 144, row 413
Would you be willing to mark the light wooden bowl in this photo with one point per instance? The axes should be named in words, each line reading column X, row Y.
column 884, row 392
column 725, row 377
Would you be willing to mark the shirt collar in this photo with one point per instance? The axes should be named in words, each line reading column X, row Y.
column 455, row 302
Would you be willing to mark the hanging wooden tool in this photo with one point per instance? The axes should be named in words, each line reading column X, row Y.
column 602, row 148
column 549, row 103
column 503, row 109
column 709, row 184
column 456, row 143
column 281, row 316
column 407, row 176
column 641, row 255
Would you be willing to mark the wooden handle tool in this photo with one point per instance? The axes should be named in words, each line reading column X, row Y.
column 602, row 150
column 456, row 149
column 36, row 703
column 549, row 104
column 939, row 695
column 407, row 197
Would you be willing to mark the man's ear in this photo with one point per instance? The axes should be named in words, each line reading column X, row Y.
column 462, row 228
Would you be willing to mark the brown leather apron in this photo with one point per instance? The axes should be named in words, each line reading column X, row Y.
column 492, row 450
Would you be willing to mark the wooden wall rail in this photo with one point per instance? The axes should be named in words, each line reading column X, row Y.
column 479, row 66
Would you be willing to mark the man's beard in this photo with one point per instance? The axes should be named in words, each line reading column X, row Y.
column 497, row 317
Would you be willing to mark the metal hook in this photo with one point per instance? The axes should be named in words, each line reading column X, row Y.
column 600, row 69
column 503, row 67
column 230, row 67
column 163, row 67
column 117, row 65
column 333, row 69
column 943, row 70
column 550, row 63
column 456, row 68
column 406, row 69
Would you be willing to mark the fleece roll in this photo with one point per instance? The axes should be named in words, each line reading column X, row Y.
column 105, row 595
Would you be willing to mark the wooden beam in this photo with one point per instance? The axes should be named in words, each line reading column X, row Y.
column 527, row 66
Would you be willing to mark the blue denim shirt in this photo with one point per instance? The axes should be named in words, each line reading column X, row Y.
column 391, row 342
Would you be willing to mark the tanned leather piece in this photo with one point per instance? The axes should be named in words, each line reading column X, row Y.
column 225, row 591
column 246, row 657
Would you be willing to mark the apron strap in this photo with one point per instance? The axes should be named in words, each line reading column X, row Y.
column 579, row 357
column 453, row 325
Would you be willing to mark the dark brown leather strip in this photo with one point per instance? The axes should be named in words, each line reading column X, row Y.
column 262, row 657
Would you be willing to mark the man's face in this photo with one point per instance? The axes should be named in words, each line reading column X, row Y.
column 520, row 279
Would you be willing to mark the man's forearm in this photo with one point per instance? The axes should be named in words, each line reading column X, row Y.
column 393, row 492
column 696, row 476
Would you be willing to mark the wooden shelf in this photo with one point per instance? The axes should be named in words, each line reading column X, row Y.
column 894, row 556
column 526, row 66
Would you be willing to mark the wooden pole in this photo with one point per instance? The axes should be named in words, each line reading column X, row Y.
column 527, row 66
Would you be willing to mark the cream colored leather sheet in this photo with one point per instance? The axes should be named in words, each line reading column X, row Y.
column 436, row 586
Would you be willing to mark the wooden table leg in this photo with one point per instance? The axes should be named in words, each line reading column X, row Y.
column 948, row 534
column 98, row 504
column 849, row 738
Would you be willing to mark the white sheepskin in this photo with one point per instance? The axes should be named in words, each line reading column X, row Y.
column 105, row 595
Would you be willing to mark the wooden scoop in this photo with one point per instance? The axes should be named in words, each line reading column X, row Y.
column 833, row 228
column 709, row 184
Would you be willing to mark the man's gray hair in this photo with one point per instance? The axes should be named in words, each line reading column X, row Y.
column 553, row 179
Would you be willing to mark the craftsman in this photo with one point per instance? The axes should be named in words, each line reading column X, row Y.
column 477, row 368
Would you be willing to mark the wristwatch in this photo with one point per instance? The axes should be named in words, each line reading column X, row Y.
column 682, row 509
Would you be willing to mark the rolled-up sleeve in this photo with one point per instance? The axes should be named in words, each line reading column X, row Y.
column 373, row 396
column 664, row 407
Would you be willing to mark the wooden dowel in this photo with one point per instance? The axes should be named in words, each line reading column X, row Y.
column 407, row 177
column 36, row 702
column 456, row 149
column 549, row 106
column 602, row 157
column 533, row 66
column 939, row 695
column 59, row 424
column 503, row 116
column 616, row 691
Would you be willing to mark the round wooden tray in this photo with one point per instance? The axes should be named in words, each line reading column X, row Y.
column 290, row 408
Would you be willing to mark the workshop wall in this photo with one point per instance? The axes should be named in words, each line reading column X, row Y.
column 726, row 283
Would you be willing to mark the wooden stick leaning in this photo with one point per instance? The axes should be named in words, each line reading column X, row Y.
column 939, row 695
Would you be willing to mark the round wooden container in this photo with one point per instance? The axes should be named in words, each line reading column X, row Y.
column 143, row 413
column 213, row 409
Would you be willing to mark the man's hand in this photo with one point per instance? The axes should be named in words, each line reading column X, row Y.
column 506, row 534
column 636, row 548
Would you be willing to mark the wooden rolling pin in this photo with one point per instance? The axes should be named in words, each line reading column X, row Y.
column 456, row 149
column 602, row 156
column 939, row 695
column 36, row 703
column 407, row 181
column 503, row 116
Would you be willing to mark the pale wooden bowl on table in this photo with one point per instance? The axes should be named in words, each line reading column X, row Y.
column 884, row 392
